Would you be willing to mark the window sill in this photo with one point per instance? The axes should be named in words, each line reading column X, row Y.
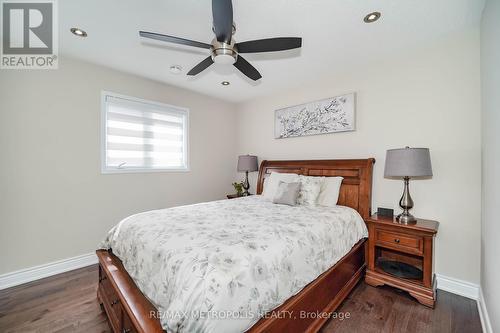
column 117, row 171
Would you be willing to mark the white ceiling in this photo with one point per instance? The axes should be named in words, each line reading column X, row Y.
column 334, row 37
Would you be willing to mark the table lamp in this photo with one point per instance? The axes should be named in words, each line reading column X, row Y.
column 247, row 163
column 406, row 163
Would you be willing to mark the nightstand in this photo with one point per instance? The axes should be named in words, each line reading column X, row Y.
column 401, row 255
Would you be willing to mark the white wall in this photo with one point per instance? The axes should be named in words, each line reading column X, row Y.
column 428, row 98
column 490, row 82
column 54, row 202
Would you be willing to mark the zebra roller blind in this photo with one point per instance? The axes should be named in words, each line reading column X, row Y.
column 142, row 135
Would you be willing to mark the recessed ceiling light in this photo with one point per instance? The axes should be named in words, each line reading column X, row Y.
column 225, row 83
column 175, row 69
column 78, row 32
column 372, row 17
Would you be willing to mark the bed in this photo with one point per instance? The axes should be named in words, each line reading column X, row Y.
column 313, row 277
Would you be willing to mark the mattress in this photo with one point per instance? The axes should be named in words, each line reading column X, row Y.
column 220, row 266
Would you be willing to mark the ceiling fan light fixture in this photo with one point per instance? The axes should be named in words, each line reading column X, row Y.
column 372, row 17
column 78, row 32
column 224, row 59
column 223, row 53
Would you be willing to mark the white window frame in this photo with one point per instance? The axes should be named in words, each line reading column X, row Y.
column 112, row 170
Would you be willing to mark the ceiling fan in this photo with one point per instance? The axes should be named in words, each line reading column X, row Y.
column 224, row 49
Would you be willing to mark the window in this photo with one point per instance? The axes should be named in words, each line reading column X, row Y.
column 142, row 136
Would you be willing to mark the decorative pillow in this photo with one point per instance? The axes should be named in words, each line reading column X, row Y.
column 287, row 193
column 309, row 190
column 329, row 195
column 271, row 183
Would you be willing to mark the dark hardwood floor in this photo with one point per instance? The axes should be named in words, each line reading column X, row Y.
column 385, row 309
column 67, row 303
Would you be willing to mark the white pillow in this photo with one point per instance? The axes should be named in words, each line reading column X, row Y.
column 309, row 190
column 272, row 182
column 329, row 194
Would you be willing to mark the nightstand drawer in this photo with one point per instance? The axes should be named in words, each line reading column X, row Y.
column 401, row 242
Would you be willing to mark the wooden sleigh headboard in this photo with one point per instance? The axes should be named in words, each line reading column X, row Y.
column 356, row 189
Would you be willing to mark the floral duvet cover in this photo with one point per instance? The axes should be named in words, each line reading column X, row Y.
column 219, row 266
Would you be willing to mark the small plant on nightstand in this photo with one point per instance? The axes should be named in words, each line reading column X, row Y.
column 238, row 186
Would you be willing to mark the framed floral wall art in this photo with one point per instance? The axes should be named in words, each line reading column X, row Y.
column 330, row 115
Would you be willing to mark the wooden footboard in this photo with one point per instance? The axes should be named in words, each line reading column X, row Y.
column 129, row 311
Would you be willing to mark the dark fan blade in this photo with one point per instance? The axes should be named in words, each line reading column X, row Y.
column 172, row 39
column 201, row 66
column 222, row 12
column 269, row 45
column 247, row 69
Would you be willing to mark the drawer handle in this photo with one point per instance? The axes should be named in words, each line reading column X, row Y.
column 397, row 241
column 114, row 302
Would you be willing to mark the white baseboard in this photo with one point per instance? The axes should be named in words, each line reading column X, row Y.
column 483, row 313
column 38, row 272
column 469, row 290
column 458, row 287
